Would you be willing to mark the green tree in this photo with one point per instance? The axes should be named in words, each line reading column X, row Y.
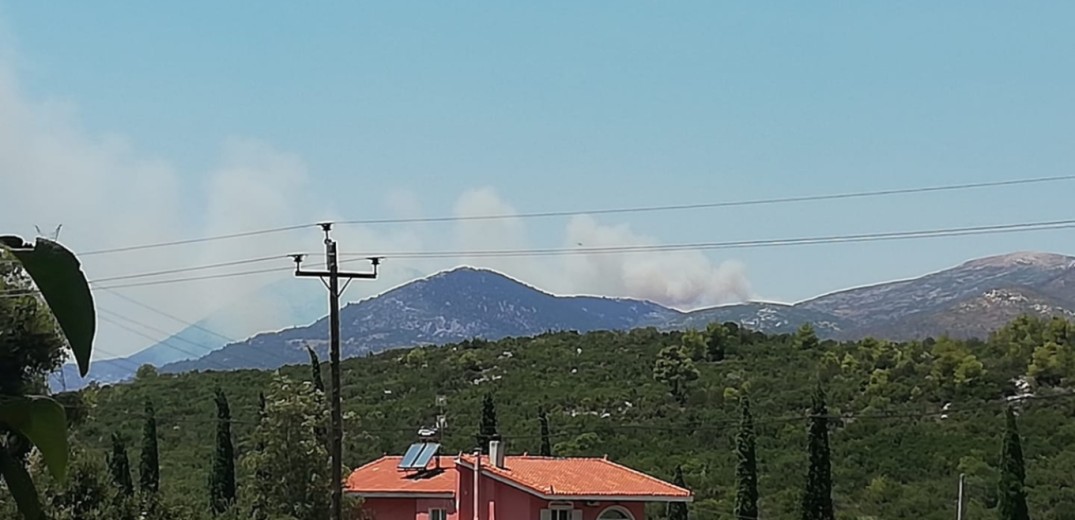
column 487, row 429
column 222, row 479
column 817, row 497
column 258, row 506
column 829, row 366
column 291, row 478
column 678, row 510
column 1052, row 364
column 954, row 365
column 583, row 445
column 319, row 385
column 546, row 444
column 746, row 469
column 1011, row 488
column 87, row 493
column 315, row 371
column 675, row 369
column 806, row 338
column 695, row 344
column 849, row 364
column 145, row 372
column 120, row 467
column 149, row 462
column 715, row 342
column 29, row 349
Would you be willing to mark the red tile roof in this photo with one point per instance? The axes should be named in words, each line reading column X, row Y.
column 543, row 476
column 381, row 477
column 580, row 477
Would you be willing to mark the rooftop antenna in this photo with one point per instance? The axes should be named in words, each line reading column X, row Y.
column 442, row 417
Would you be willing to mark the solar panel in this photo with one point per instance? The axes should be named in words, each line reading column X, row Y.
column 428, row 451
column 412, row 454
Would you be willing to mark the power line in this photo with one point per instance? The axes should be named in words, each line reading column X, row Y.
column 155, row 340
column 167, row 315
column 690, row 246
column 194, row 240
column 188, row 269
column 117, row 358
column 199, row 356
column 724, row 204
column 606, row 211
column 279, row 358
column 742, row 244
column 192, row 278
column 205, row 277
column 154, row 329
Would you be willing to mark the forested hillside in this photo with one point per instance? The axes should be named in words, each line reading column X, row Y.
column 910, row 416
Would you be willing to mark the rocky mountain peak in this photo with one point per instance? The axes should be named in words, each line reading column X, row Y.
column 1024, row 259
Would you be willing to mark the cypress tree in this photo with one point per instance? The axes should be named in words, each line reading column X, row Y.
column 222, row 479
column 315, row 371
column 261, row 476
column 817, row 498
column 546, row 445
column 678, row 510
column 1012, row 491
column 746, row 470
column 149, row 465
column 487, row 430
column 120, row 467
column 320, row 430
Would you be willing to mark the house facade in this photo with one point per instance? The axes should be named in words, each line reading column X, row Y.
column 500, row 487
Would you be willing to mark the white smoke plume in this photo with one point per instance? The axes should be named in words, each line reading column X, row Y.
column 107, row 194
column 680, row 279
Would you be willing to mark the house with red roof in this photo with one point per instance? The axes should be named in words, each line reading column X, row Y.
column 505, row 487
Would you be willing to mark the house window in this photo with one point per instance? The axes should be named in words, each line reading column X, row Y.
column 438, row 514
column 561, row 513
column 615, row 513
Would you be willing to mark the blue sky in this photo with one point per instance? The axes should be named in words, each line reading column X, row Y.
column 406, row 108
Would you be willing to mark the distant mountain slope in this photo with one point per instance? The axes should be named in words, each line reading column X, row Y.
column 289, row 301
column 1048, row 274
column 773, row 318
column 447, row 307
column 972, row 317
column 190, row 343
column 967, row 300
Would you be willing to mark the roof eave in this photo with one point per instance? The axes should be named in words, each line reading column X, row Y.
column 553, row 496
column 622, row 498
column 399, row 494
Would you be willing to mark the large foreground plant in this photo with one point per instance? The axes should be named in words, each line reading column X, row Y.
column 41, row 420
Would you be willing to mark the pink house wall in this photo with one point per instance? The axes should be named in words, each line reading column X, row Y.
column 407, row 508
column 500, row 501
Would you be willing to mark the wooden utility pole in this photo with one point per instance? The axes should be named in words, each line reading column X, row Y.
column 333, row 275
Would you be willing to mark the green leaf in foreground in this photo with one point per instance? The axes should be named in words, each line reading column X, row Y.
column 57, row 274
column 21, row 486
column 43, row 421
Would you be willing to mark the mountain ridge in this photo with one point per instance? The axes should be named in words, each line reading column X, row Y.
column 467, row 302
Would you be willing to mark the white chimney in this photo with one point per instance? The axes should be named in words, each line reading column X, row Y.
column 496, row 453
